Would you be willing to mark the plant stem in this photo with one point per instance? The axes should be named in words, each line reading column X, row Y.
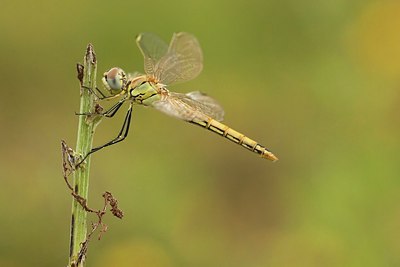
column 86, row 127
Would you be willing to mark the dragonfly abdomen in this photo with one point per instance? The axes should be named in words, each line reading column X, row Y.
column 235, row 137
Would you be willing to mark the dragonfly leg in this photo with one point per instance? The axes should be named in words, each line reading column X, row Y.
column 110, row 112
column 101, row 97
column 123, row 133
column 113, row 110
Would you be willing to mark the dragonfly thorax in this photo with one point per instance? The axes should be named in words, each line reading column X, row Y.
column 144, row 92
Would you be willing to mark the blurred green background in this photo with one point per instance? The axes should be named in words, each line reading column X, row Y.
column 315, row 81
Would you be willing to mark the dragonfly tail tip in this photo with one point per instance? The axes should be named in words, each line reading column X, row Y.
column 270, row 156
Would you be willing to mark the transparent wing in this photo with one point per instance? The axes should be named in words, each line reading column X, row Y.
column 183, row 61
column 153, row 49
column 207, row 104
column 190, row 106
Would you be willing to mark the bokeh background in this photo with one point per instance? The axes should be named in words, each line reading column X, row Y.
column 315, row 81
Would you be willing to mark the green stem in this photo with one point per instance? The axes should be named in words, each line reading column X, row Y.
column 86, row 129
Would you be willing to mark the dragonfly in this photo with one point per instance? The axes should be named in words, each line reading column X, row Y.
column 164, row 65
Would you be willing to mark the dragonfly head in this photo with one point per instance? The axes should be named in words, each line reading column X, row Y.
column 114, row 80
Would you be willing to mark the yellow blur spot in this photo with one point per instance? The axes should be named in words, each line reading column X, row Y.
column 143, row 253
column 374, row 38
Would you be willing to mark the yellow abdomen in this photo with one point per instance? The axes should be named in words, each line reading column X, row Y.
column 235, row 137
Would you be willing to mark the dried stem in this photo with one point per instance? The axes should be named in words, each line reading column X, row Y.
column 90, row 116
column 86, row 127
column 69, row 161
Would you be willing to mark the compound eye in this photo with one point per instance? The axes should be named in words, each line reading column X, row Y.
column 115, row 79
